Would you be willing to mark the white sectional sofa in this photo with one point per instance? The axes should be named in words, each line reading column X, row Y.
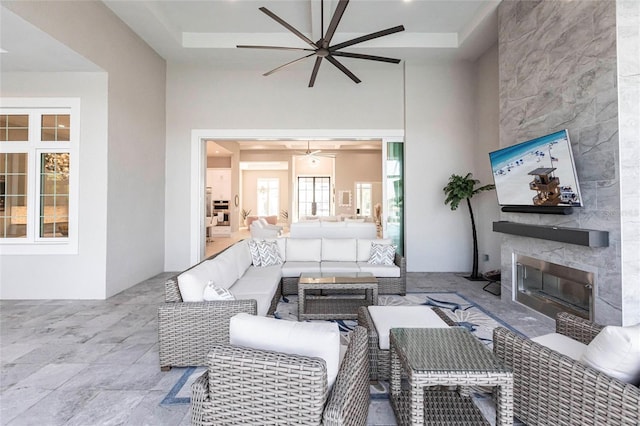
column 338, row 255
column 188, row 324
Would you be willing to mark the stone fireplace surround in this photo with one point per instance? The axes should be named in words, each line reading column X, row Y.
column 559, row 69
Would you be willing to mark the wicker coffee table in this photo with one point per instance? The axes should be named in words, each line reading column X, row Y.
column 445, row 357
column 337, row 306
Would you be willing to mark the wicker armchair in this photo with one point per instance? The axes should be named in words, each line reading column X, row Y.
column 551, row 388
column 256, row 387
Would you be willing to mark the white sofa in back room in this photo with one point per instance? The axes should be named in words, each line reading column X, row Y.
column 322, row 229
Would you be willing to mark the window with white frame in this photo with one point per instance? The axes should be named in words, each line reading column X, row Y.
column 363, row 198
column 38, row 189
column 268, row 196
column 314, row 196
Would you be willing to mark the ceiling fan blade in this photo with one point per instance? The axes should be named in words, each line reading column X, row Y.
column 370, row 57
column 245, row 46
column 315, row 152
column 288, row 26
column 314, row 73
column 342, row 68
column 287, row 64
column 335, row 20
column 367, row 37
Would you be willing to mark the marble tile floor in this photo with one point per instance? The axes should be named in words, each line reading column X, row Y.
column 66, row 362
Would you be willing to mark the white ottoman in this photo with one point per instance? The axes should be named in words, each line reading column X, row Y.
column 378, row 320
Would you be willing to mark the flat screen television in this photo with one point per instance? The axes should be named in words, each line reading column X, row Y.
column 539, row 172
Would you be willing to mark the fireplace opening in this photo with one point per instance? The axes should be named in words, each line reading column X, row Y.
column 550, row 288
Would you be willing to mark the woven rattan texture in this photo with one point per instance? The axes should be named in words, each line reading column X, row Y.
column 444, row 357
column 247, row 386
column 385, row 285
column 319, row 307
column 550, row 388
column 446, row 408
column 379, row 363
column 186, row 330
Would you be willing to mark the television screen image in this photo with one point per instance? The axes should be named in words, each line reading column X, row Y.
column 538, row 172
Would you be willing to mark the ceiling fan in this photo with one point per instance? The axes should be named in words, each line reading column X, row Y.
column 315, row 153
column 323, row 48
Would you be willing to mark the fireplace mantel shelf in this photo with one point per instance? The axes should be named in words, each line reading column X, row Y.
column 582, row 237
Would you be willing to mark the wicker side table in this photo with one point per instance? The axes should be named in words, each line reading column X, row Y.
column 311, row 306
column 445, row 357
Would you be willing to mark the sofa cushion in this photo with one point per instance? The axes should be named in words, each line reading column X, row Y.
column 339, row 249
column 241, row 256
column 304, row 250
column 266, row 281
column 387, row 317
column 562, row 344
column 339, row 267
column 380, row 271
column 313, row 339
column 192, row 283
column 259, row 272
column 382, row 254
column 615, row 351
column 225, row 271
column 364, row 247
column 294, row 269
column 259, row 283
column 361, row 230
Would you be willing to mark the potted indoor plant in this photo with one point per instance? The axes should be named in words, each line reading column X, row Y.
column 462, row 188
column 244, row 214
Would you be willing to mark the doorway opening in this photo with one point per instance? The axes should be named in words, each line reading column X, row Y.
column 296, row 140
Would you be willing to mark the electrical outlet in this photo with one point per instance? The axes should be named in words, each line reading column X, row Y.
column 485, row 257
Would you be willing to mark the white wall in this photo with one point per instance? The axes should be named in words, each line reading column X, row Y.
column 206, row 98
column 134, row 178
column 441, row 134
column 440, row 137
column 80, row 276
column 485, row 204
column 352, row 167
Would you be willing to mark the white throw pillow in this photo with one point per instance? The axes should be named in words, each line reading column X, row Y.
column 255, row 253
column 615, row 351
column 562, row 344
column 211, row 293
column 382, row 254
column 269, row 253
column 313, row 339
column 364, row 247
